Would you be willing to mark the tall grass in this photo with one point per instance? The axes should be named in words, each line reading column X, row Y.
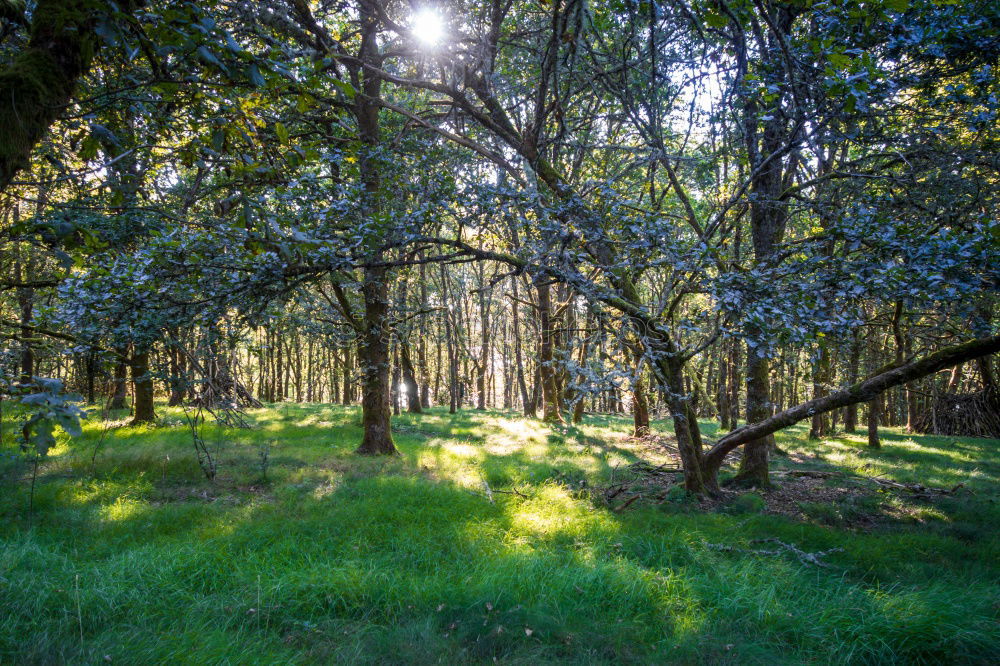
column 341, row 559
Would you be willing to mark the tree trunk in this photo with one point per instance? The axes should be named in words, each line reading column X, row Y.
column 119, row 390
column 735, row 383
column 26, row 301
column 39, row 81
column 753, row 470
column 482, row 363
column 526, row 401
column 546, row 357
column 819, row 426
column 177, row 366
column 863, row 391
column 640, row 405
column 578, row 406
column 874, row 407
column 851, row 411
column 409, row 379
column 373, row 354
column 142, row 383
column 686, row 430
column 955, row 381
column 425, row 386
column 91, row 376
column 373, row 349
column 394, row 383
column 640, row 410
column 725, row 423
column 763, row 136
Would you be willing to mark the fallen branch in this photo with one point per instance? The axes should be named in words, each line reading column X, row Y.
column 915, row 488
column 808, row 473
column 512, row 491
column 641, row 480
column 627, row 503
column 783, row 548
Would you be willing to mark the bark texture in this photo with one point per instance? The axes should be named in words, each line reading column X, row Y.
column 40, row 80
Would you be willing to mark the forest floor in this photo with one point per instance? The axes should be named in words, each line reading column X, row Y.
column 492, row 539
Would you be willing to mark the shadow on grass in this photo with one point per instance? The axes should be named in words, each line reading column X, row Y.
column 402, row 568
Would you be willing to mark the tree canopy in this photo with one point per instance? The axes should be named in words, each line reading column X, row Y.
column 556, row 206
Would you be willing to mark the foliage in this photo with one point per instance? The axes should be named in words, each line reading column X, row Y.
column 46, row 405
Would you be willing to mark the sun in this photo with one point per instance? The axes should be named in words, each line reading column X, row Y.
column 428, row 26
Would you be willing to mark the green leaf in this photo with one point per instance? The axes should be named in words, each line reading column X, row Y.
column 716, row 20
column 282, row 133
column 88, row 148
column 218, row 140
column 839, row 60
column 209, row 58
column 345, row 88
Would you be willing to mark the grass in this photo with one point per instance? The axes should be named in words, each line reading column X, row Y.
column 335, row 558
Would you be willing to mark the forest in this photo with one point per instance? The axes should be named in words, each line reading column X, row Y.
column 499, row 331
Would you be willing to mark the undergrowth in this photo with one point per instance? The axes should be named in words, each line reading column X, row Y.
column 321, row 556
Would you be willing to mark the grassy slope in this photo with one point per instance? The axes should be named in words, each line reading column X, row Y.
column 344, row 559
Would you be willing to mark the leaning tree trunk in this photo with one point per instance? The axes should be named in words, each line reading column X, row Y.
column 863, row 391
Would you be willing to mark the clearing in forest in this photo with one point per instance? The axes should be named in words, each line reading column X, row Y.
column 493, row 537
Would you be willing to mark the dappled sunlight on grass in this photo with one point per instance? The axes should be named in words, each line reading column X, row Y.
column 123, row 508
column 553, row 512
column 324, row 556
column 460, row 450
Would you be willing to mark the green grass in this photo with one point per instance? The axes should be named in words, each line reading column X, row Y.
column 342, row 559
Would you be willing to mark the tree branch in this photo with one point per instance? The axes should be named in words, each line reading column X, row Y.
column 860, row 392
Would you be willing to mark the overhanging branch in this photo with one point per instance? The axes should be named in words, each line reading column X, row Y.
column 860, row 392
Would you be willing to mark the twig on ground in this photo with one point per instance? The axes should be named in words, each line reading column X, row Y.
column 917, row 489
column 489, row 493
column 512, row 491
column 808, row 473
column 803, row 556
